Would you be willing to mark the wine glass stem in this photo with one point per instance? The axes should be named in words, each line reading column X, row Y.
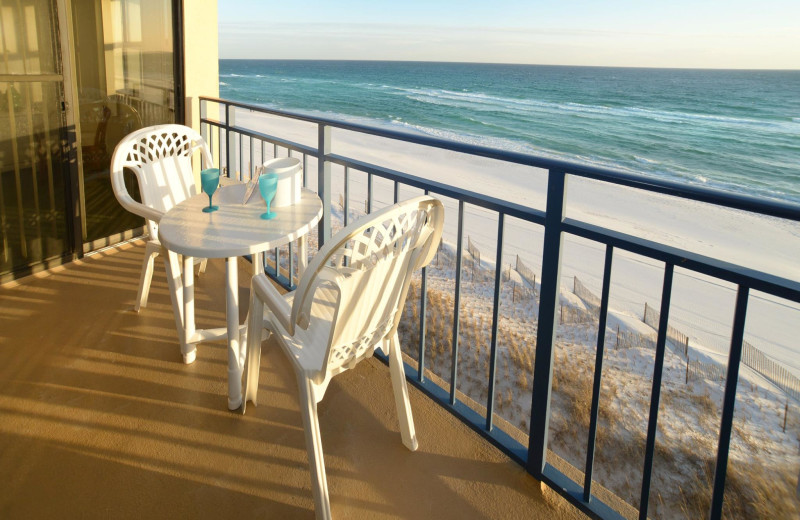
column 209, row 201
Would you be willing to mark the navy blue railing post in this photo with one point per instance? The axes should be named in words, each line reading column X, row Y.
column 251, row 167
column 205, row 133
column 240, row 155
column 230, row 141
column 368, row 209
column 655, row 396
column 546, row 334
column 346, row 206
column 423, row 321
column 305, row 169
column 457, row 304
column 498, row 282
column 598, row 374
column 324, row 181
column 729, row 402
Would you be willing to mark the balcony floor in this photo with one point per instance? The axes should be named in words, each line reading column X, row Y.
column 100, row 419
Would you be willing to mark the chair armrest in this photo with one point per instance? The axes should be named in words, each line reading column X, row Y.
column 201, row 144
column 138, row 208
column 274, row 301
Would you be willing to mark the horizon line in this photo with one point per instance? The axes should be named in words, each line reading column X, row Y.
column 517, row 64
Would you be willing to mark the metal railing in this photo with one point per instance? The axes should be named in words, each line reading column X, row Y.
column 533, row 457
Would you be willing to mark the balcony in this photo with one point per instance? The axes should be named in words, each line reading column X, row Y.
column 501, row 404
column 100, row 419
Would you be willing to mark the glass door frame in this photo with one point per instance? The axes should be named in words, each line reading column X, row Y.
column 72, row 195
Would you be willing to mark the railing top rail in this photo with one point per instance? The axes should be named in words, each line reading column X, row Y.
column 761, row 281
column 774, row 208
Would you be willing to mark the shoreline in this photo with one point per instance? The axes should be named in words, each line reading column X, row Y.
column 680, row 131
column 698, row 180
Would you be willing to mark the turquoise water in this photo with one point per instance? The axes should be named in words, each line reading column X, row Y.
column 735, row 130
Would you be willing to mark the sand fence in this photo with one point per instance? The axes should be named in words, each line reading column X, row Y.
column 752, row 357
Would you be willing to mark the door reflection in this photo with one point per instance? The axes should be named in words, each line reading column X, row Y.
column 125, row 78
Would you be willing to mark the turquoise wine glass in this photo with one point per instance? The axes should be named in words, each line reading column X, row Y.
column 209, row 180
column 268, row 185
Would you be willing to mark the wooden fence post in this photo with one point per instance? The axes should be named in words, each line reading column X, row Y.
column 785, row 415
column 687, row 369
column 644, row 319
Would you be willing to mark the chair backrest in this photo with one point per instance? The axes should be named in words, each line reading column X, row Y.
column 161, row 158
column 369, row 266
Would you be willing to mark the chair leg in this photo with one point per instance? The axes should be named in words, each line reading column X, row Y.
column 319, row 483
column 203, row 265
column 401, row 400
column 150, row 253
column 252, row 364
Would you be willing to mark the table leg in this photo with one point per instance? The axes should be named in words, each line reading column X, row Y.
column 235, row 354
column 189, row 350
column 302, row 256
column 258, row 263
column 258, row 268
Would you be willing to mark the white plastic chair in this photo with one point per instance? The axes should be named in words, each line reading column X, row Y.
column 343, row 310
column 161, row 158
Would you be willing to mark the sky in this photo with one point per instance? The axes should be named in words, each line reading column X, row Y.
column 739, row 34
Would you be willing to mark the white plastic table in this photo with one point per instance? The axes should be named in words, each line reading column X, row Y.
column 232, row 231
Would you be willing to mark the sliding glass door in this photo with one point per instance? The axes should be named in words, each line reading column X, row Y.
column 76, row 76
column 125, row 74
column 34, row 223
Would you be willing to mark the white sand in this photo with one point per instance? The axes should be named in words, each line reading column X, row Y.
column 702, row 307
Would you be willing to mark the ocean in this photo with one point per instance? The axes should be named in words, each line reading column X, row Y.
column 730, row 129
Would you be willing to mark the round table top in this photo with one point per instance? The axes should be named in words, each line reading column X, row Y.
column 235, row 229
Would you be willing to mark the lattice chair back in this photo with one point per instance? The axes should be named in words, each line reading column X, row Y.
column 161, row 158
column 368, row 265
